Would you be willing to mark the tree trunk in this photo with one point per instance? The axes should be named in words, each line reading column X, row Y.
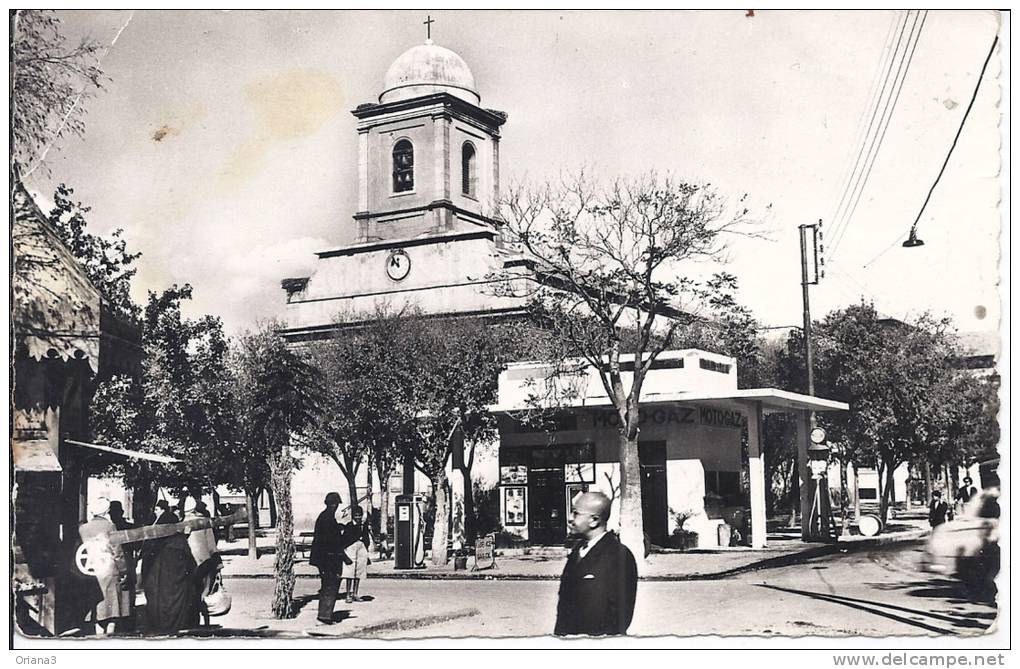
column 888, row 492
column 384, row 502
column 143, row 501
column 215, row 503
column 371, row 501
column 255, row 521
column 632, row 533
column 440, row 526
column 272, row 508
column 283, row 567
column 794, row 498
column 843, row 501
column 470, row 522
column 857, row 494
column 352, row 491
column 927, row 480
column 249, row 501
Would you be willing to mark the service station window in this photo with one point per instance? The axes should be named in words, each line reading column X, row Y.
column 722, row 483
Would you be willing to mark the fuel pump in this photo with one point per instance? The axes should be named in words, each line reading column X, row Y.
column 409, row 548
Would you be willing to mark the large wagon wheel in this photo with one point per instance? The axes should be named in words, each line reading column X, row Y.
column 81, row 561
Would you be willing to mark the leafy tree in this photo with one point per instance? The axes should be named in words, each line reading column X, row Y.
column 368, row 405
column 603, row 270
column 890, row 372
column 180, row 406
column 965, row 417
column 107, row 262
column 279, row 397
column 50, row 78
column 473, row 354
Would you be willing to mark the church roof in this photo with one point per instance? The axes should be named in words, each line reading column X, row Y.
column 429, row 68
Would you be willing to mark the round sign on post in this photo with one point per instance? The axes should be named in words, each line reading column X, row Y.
column 817, row 436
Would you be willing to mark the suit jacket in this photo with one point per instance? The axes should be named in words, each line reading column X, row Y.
column 597, row 592
column 937, row 512
column 327, row 545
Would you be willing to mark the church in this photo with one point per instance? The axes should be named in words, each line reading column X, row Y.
column 427, row 235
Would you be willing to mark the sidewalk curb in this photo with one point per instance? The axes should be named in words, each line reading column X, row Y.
column 787, row 560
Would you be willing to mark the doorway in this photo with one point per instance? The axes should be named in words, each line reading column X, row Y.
column 546, row 507
column 654, row 507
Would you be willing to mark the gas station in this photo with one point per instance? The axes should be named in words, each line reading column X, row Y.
column 694, row 421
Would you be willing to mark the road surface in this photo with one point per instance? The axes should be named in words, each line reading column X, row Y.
column 875, row 592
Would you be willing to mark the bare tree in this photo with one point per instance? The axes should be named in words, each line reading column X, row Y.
column 601, row 267
column 50, row 77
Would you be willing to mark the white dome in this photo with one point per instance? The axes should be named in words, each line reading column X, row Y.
column 427, row 69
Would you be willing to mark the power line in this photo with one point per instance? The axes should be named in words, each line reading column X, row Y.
column 945, row 163
column 958, row 131
column 873, row 101
column 904, row 67
column 851, row 183
column 885, row 250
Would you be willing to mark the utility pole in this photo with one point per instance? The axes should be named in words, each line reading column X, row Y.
column 804, row 283
column 817, row 485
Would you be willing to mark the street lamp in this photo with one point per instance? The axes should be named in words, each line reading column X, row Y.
column 912, row 240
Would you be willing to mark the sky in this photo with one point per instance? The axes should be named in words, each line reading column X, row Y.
column 224, row 146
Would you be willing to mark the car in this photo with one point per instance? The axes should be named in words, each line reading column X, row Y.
column 967, row 547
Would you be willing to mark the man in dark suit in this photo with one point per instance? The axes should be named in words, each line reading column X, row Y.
column 966, row 493
column 599, row 582
column 328, row 555
column 938, row 510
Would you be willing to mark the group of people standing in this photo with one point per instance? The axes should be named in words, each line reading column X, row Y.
column 939, row 510
column 339, row 551
column 177, row 571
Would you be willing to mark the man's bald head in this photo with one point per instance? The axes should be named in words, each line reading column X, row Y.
column 596, row 504
column 590, row 514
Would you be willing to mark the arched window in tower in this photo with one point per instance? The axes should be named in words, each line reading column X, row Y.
column 403, row 166
column 468, row 169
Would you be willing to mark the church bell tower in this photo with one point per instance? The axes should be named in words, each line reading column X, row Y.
column 426, row 229
column 428, row 152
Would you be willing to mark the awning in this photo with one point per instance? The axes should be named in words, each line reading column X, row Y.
column 138, row 455
column 55, row 307
column 35, row 455
column 771, row 398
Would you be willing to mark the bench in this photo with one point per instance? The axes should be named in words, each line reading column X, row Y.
column 303, row 543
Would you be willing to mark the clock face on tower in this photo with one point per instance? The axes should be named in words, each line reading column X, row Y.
column 398, row 264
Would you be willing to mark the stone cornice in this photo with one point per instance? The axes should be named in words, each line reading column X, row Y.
column 435, row 204
column 451, row 104
column 356, row 249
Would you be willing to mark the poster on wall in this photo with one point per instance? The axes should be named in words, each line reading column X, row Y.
column 579, row 472
column 513, row 475
column 514, row 507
